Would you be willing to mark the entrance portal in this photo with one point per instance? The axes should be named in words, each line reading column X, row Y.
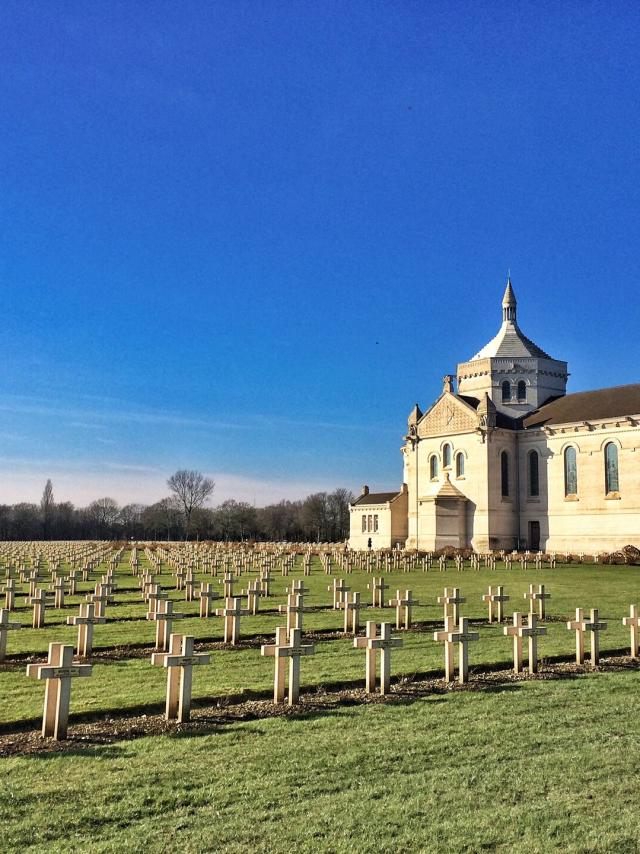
column 534, row 536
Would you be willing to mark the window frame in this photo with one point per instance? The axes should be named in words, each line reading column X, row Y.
column 568, row 493
column 521, row 398
column 433, row 467
column 505, row 479
column 460, row 462
column 611, row 472
column 447, row 451
column 533, row 479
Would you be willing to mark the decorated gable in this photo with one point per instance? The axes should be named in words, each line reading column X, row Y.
column 448, row 415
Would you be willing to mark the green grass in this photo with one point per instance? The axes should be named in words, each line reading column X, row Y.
column 542, row 764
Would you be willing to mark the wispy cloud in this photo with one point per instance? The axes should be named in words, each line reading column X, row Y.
column 130, row 467
column 118, row 413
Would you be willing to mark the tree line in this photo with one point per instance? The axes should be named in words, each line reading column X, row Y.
column 183, row 514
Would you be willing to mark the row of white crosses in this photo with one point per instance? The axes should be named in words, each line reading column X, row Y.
column 180, row 659
column 288, row 646
column 60, row 668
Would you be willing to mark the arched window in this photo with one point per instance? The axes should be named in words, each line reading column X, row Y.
column 534, row 475
column 504, row 473
column 433, row 467
column 506, row 391
column 570, row 472
column 611, row 468
column 460, row 465
column 446, row 456
column 522, row 392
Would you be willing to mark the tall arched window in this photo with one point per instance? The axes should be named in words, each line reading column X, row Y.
column 534, row 474
column 522, row 392
column 460, row 465
column 506, row 391
column 570, row 472
column 504, row 473
column 433, row 467
column 446, row 456
column 611, row 468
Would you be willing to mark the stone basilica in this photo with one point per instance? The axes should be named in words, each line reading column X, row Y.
column 505, row 459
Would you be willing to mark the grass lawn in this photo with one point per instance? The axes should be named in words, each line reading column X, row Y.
column 547, row 764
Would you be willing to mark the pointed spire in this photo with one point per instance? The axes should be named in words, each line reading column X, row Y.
column 509, row 304
column 414, row 416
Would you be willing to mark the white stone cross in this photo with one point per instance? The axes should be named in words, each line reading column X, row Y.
column 592, row 625
column 633, row 621
column 371, row 643
column 281, row 650
column 352, row 613
column 377, row 588
column 265, row 584
column 294, row 609
column 462, row 636
column 207, row 597
column 72, row 581
column 231, row 612
column 163, row 616
column 9, row 594
column 58, row 593
column 5, row 627
column 253, row 596
column 101, row 598
column 514, row 632
column 57, row 672
column 340, row 590
column 538, row 596
column 496, row 596
column 451, row 602
column 228, row 580
column 39, row 602
column 297, row 586
column 179, row 661
column 533, row 631
column 442, row 636
column 403, row 605
column 85, row 621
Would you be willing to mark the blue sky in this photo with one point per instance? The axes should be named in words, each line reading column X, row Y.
column 248, row 237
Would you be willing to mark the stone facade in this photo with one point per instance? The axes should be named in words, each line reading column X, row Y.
column 379, row 521
column 511, row 461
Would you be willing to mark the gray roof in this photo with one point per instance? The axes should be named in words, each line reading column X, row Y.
column 375, row 498
column 511, row 342
column 616, row 402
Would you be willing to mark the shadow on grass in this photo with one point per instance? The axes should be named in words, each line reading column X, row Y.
column 93, row 733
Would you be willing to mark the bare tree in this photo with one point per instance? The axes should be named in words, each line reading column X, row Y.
column 47, row 506
column 315, row 516
column 338, row 512
column 192, row 489
column 104, row 513
column 164, row 515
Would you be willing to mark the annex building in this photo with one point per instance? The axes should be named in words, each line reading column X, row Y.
column 506, row 459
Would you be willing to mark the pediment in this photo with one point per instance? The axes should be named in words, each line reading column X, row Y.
column 448, row 415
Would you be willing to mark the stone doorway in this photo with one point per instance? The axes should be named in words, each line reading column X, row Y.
column 534, row 536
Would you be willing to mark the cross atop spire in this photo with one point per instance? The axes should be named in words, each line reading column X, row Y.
column 509, row 304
